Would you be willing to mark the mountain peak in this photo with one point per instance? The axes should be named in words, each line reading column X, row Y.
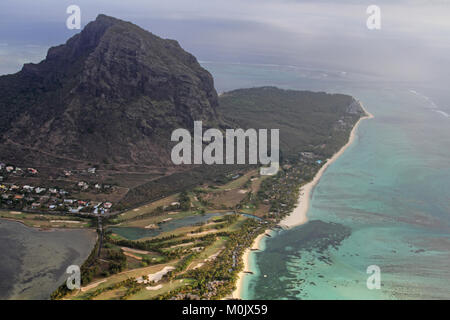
column 105, row 18
column 113, row 91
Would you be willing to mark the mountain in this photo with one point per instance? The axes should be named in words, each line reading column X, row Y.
column 111, row 94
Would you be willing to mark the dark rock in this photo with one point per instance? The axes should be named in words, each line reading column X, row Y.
column 113, row 91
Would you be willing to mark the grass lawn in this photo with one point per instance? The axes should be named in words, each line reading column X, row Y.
column 142, row 223
column 208, row 252
column 167, row 286
column 46, row 220
column 235, row 226
column 111, row 295
column 239, row 182
column 177, row 232
column 135, row 273
column 148, row 207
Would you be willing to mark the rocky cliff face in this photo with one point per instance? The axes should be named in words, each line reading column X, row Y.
column 113, row 92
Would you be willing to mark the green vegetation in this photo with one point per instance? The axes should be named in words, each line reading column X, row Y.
column 180, row 181
column 308, row 121
column 207, row 257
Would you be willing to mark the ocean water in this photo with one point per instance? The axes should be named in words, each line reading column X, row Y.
column 385, row 202
column 33, row 263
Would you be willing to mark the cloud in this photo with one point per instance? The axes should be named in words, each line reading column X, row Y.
column 413, row 44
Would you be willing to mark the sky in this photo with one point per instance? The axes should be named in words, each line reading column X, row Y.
column 413, row 43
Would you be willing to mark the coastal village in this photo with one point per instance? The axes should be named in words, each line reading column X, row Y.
column 38, row 198
column 43, row 199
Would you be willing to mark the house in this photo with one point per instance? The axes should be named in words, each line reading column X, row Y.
column 75, row 210
column 35, row 205
column 39, row 190
column 91, row 170
column 18, row 197
column 18, row 171
column 83, row 185
column 2, row 165
column 52, row 207
column 319, row 161
column 28, row 188
column 14, row 187
column 63, row 192
column 69, row 201
column 1, row 178
column 32, row 171
column 53, row 190
column 67, row 173
column 9, row 169
column 308, row 155
column 107, row 205
column 97, row 186
column 82, row 203
column 6, row 196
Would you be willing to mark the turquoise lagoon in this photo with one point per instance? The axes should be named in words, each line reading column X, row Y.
column 384, row 202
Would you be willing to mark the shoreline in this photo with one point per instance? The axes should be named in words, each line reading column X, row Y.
column 237, row 293
column 41, row 229
column 298, row 215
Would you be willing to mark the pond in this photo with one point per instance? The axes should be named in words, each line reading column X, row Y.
column 135, row 233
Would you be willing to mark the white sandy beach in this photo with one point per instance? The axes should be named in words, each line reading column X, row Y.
column 246, row 258
column 298, row 216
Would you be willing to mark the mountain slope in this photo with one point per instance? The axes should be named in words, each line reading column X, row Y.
column 113, row 92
